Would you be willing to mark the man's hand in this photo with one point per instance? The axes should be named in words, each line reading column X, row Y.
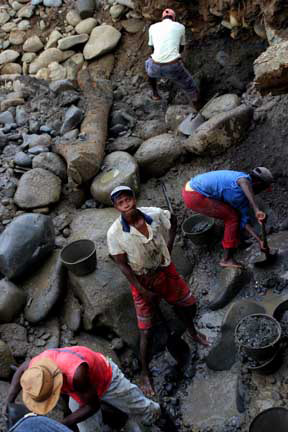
column 262, row 247
column 260, row 216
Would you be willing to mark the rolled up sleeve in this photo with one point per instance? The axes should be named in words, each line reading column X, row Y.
column 165, row 216
column 114, row 246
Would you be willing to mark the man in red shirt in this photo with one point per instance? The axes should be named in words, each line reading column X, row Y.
column 87, row 377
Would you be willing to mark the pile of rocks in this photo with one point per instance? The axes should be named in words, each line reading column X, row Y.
column 29, row 48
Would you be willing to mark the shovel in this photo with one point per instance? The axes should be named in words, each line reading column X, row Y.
column 194, row 120
column 177, row 347
column 267, row 257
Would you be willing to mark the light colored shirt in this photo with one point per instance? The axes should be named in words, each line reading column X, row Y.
column 166, row 37
column 222, row 185
column 143, row 254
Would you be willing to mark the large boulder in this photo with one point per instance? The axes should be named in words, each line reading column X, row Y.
column 98, row 344
column 271, row 69
column 38, row 188
column 107, row 301
column 220, row 132
column 175, row 114
column 103, row 39
column 27, row 240
column 12, row 300
column 118, row 168
column 44, row 288
column 93, row 224
column 158, row 154
column 221, row 104
column 84, row 156
column 150, row 128
column 51, row 162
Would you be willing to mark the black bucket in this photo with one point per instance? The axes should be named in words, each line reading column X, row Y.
column 267, row 367
column 265, row 352
column 79, row 257
column 202, row 236
column 272, row 419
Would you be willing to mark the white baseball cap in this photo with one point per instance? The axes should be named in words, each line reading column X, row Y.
column 118, row 190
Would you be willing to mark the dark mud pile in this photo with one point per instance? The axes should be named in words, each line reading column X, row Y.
column 257, row 332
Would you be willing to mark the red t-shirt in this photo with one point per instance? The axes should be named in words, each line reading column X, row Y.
column 69, row 358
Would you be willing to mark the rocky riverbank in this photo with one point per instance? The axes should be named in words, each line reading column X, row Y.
column 76, row 120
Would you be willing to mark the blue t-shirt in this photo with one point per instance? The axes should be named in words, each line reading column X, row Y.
column 222, row 185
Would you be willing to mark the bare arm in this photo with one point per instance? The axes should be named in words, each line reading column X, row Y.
column 121, row 261
column 87, row 392
column 15, row 386
column 247, row 189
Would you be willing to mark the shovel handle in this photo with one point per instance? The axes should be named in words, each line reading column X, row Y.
column 264, row 239
column 168, row 202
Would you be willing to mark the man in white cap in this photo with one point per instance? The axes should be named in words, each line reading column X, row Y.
column 228, row 195
column 167, row 39
column 88, row 378
column 137, row 243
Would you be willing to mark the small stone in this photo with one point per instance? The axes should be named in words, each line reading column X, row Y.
column 73, row 18
column 73, row 116
column 38, row 149
column 16, row 5
column 4, row 17
column 23, row 159
column 17, row 37
column 116, row 11
column 33, row 44
column 86, row 26
column 70, row 41
column 26, row 11
column 24, row 25
column 11, row 102
column 52, row 3
column 34, row 140
column 54, row 36
column 8, row 56
column 56, row 71
column 11, row 68
column 9, row 26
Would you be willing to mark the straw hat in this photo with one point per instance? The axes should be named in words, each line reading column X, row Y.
column 41, row 386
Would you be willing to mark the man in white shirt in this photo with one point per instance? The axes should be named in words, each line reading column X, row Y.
column 167, row 38
column 136, row 241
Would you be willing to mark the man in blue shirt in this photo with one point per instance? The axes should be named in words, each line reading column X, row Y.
column 227, row 195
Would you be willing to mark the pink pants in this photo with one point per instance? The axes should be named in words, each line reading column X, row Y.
column 218, row 210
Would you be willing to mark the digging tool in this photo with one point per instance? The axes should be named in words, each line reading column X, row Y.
column 177, row 347
column 168, row 202
column 269, row 257
column 194, row 120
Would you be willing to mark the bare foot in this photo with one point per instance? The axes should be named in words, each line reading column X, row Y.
column 230, row 263
column 146, row 386
column 155, row 97
column 201, row 339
